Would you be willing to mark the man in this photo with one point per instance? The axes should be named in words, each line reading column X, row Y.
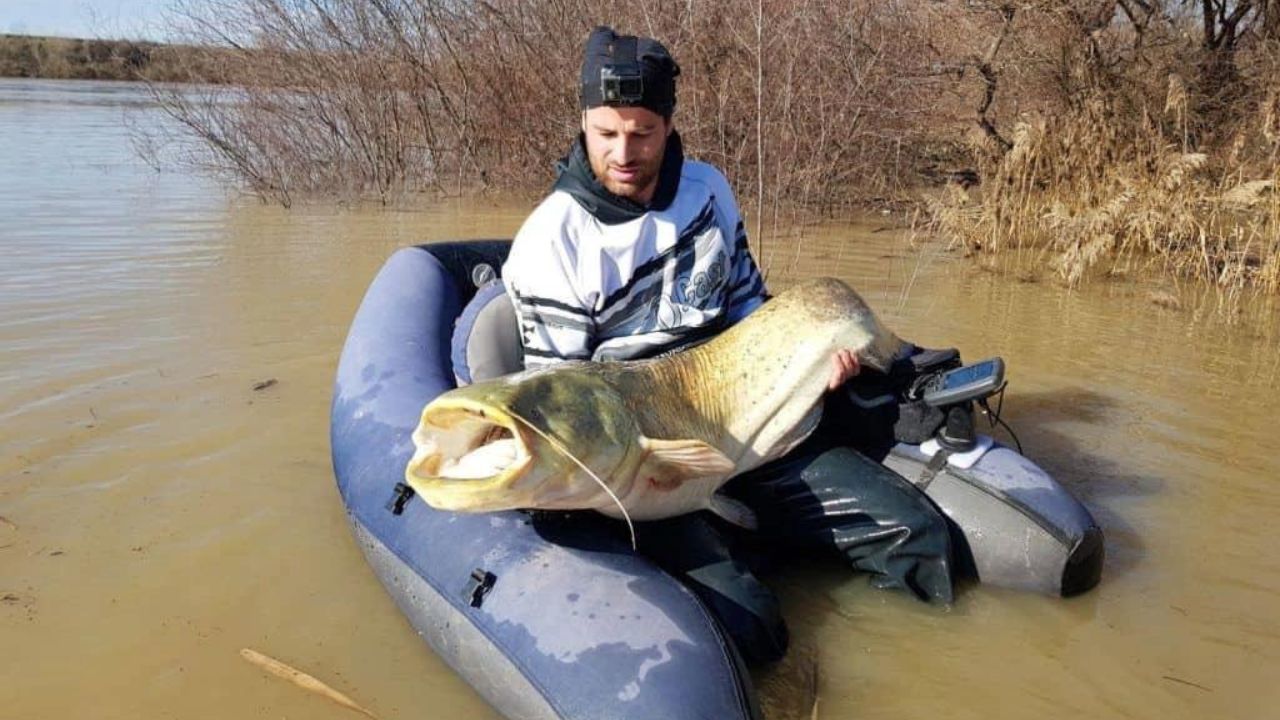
column 639, row 251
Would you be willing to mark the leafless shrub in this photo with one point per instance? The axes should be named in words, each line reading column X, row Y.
column 1104, row 132
column 811, row 103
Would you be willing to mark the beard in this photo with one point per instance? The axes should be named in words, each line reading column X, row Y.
column 637, row 188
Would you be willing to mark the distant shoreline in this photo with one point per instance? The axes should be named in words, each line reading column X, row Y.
column 57, row 58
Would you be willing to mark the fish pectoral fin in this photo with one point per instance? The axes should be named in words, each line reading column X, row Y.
column 669, row 463
column 733, row 512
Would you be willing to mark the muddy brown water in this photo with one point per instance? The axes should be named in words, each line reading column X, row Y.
column 159, row 513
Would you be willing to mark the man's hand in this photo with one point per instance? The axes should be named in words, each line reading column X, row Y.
column 844, row 365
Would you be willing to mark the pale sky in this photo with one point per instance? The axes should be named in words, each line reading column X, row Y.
column 127, row 19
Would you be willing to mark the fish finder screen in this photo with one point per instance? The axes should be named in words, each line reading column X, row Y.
column 968, row 375
column 966, row 383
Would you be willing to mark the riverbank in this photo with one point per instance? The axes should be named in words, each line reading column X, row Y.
column 56, row 58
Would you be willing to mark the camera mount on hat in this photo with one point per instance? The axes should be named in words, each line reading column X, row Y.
column 625, row 70
column 622, row 81
column 621, row 84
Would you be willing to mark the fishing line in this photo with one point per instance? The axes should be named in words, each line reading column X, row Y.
column 565, row 451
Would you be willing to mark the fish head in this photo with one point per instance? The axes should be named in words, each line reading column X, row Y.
column 540, row 439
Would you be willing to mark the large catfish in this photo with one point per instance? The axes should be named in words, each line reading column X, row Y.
column 652, row 438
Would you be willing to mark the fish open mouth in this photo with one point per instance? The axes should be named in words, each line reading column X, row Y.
column 465, row 447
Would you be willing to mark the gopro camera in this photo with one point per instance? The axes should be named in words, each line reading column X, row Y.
column 621, row 84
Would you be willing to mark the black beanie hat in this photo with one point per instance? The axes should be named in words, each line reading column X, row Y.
column 624, row 70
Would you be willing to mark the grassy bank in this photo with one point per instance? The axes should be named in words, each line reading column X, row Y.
column 80, row 59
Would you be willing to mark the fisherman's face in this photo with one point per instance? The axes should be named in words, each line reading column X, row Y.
column 625, row 146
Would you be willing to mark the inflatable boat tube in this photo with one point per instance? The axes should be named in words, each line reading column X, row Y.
column 582, row 627
column 1012, row 524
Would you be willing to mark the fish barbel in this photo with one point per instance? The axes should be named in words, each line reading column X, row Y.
column 646, row 439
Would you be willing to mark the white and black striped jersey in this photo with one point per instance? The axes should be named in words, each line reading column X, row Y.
column 669, row 278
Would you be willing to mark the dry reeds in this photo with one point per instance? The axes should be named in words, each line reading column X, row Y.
column 1074, row 191
column 1128, row 170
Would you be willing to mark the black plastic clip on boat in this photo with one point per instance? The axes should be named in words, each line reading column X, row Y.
column 478, row 586
column 403, row 493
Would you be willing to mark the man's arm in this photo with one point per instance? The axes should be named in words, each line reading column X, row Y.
column 555, row 324
column 746, row 285
column 746, row 290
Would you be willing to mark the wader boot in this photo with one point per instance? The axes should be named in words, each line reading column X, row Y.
column 818, row 499
column 836, row 499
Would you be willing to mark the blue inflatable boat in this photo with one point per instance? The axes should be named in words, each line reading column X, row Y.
column 578, row 625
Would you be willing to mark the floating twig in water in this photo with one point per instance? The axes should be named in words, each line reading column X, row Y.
column 1187, row 682
column 302, row 680
column 264, row 384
